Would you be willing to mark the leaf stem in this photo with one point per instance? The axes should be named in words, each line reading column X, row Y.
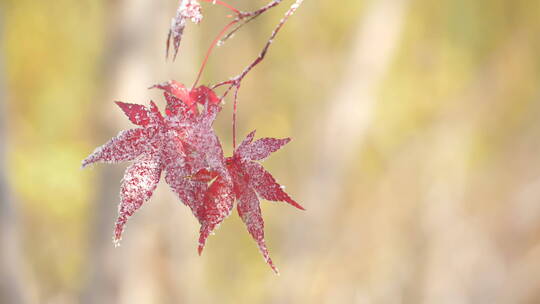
column 234, row 116
column 211, row 48
column 236, row 81
column 239, row 17
column 223, row 4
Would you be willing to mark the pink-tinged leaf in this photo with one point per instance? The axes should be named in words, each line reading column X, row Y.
column 137, row 114
column 155, row 115
column 204, row 95
column 250, row 212
column 262, row 148
column 176, row 93
column 140, row 181
column 249, row 179
column 266, row 186
column 181, row 145
column 176, row 107
column 206, row 150
column 126, row 146
column 245, row 144
column 179, row 167
column 218, row 203
column 177, row 90
column 211, row 110
column 190, row 192
column 204, row 175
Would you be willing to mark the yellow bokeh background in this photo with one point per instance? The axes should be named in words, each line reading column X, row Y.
column 416, row 152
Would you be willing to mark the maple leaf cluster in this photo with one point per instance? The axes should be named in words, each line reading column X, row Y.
column 182, row 145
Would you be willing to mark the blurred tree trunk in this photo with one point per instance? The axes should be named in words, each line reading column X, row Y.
column 134, row 59
column 13, row 288
column 350, row 112
column 128, row 39
column 343, row 129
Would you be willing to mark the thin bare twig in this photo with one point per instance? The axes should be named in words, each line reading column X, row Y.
column 218, row 37
column 222, row 37
column 235, row 82
column 251, row 16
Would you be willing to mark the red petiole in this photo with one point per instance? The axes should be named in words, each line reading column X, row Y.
column 223, row 4
column 236, row 81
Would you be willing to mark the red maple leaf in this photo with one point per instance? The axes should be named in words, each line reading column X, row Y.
column 182, row 143
column 212, row 193
column 250, row 179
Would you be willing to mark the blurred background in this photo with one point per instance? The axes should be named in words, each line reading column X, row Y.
column 416, row 153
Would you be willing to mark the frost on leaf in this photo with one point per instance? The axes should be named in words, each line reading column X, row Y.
column 178, row 96
column 218, row 204
column 180, row 144
column 188, row 9
column 211, row 199
column 140, row 181
column 250, row 179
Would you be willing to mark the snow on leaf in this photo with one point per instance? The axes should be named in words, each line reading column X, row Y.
column 135, row 112
column 140, row 181
column 246, row 142
column 180, row 144
column 126, row 146
column 189, row 191
column 250, row 179
column 266, row 186
column 188, row 9
column 262, row 148
column 218, row 204
column 184, row 147
column 249, row 211
column 204, row 95
column 177, row 95
column 218, row 200
column 175, row 90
